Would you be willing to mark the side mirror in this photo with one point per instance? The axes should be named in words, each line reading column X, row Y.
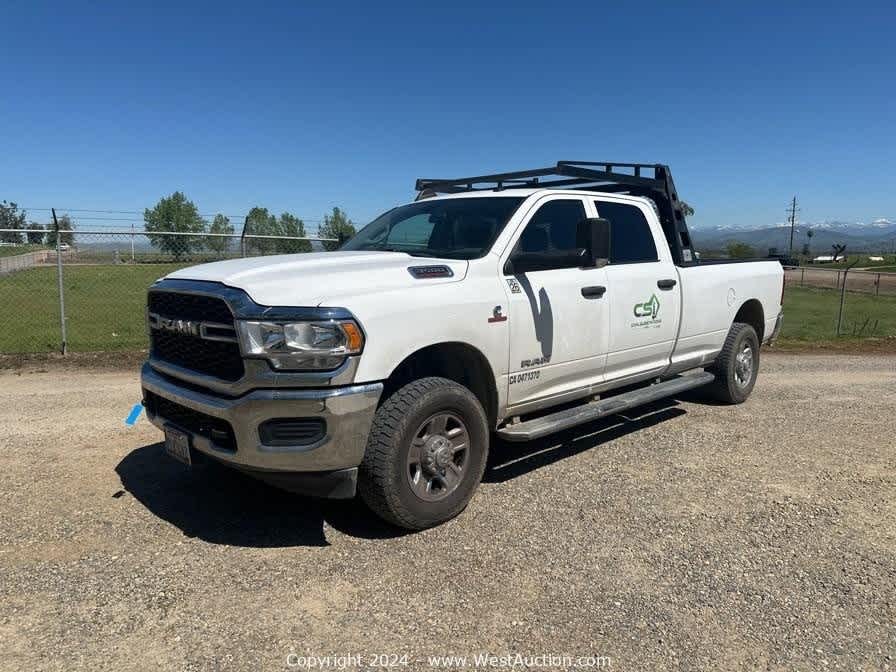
column 593, row 235
column 524, row 262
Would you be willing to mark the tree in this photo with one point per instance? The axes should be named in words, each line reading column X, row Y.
column 740, row 251
column 66, row 232
column 261, row 223
column 11, row 218
column 175, row 214
column 219, row 244
column 337, row 226
column 838, row 250
column 293, row 227
column 35, row 234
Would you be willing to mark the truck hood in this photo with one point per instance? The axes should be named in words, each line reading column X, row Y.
column 308, row 279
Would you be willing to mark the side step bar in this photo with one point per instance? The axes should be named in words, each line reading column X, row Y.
column 570, row 417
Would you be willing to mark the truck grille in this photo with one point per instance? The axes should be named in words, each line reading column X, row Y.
column 214, row 429
column 220, row 359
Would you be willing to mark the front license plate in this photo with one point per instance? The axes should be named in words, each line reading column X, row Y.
column 177, row 445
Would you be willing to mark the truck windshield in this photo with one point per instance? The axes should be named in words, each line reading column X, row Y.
column 455, row 228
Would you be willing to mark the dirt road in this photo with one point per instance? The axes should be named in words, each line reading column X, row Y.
column 688, row 535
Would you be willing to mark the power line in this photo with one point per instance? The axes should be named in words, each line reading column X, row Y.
column 135, row 212
column 111, row 212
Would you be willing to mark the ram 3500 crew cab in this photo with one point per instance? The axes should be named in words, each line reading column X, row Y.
column 513, row 305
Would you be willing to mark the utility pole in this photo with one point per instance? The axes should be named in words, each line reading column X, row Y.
column 793, row 210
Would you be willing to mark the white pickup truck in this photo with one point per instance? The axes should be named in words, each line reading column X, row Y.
column 511, row 305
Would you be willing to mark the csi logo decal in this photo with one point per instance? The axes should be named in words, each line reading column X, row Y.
column 649, row 308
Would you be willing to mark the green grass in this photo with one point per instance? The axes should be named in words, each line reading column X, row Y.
column 810, row 315
column 105, row 307
column 14, row 250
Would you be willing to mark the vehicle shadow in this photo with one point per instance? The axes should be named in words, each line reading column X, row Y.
column 508, row 460
column 542, row 315
column 223, row 506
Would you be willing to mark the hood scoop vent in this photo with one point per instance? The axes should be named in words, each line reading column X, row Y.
column 426, row 272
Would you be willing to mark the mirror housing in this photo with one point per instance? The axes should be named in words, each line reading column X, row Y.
column 524, row 262
column 592, row 251
column 593, row 235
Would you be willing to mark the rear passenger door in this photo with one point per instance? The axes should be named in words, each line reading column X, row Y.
column 643, row 292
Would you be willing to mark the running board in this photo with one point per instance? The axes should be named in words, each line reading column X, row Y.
column 570, row 417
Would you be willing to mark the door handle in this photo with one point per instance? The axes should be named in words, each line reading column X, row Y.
column 593, row 292
column 666, row 284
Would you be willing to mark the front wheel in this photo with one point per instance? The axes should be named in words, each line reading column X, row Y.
column 737, row 365
column 425, row 455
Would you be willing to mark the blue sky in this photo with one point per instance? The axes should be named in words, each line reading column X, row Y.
column 301, row 106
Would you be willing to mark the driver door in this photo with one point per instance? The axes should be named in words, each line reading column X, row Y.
column 558, row 318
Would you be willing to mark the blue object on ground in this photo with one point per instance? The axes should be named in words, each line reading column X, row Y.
column 131, row 420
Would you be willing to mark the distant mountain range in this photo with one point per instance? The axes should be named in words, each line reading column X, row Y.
column 876, row 236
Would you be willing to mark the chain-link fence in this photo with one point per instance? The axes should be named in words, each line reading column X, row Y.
column 867, row 281
column 85, row 291
column 823, row 304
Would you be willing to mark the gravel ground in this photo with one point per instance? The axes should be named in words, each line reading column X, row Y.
column 761, row 536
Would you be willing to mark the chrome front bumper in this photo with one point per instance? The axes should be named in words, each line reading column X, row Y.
column 348, row 413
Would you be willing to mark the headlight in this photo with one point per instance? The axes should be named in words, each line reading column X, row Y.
column 301, row 345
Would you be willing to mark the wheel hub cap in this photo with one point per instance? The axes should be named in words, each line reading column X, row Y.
column 437, row 457
column 437, row 453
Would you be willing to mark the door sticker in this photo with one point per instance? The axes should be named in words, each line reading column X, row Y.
column 523, row 377
column 647, row 313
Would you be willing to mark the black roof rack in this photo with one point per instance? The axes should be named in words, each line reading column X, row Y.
column 652, row 180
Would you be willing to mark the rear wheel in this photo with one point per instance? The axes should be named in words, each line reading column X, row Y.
column 737, row 365
column 425, row 455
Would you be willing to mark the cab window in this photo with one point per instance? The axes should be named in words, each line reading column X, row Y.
column 631, row 240
column 553, row 227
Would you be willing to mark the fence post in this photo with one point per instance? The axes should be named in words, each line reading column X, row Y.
column 843, row 293
column 60, row 284
column 877, row 286
column 803, row 277
column 243, row 237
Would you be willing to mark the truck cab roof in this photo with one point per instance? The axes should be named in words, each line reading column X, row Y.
column 640, row 180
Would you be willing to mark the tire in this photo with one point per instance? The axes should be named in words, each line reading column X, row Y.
column 737, row 366
column 406, row 476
